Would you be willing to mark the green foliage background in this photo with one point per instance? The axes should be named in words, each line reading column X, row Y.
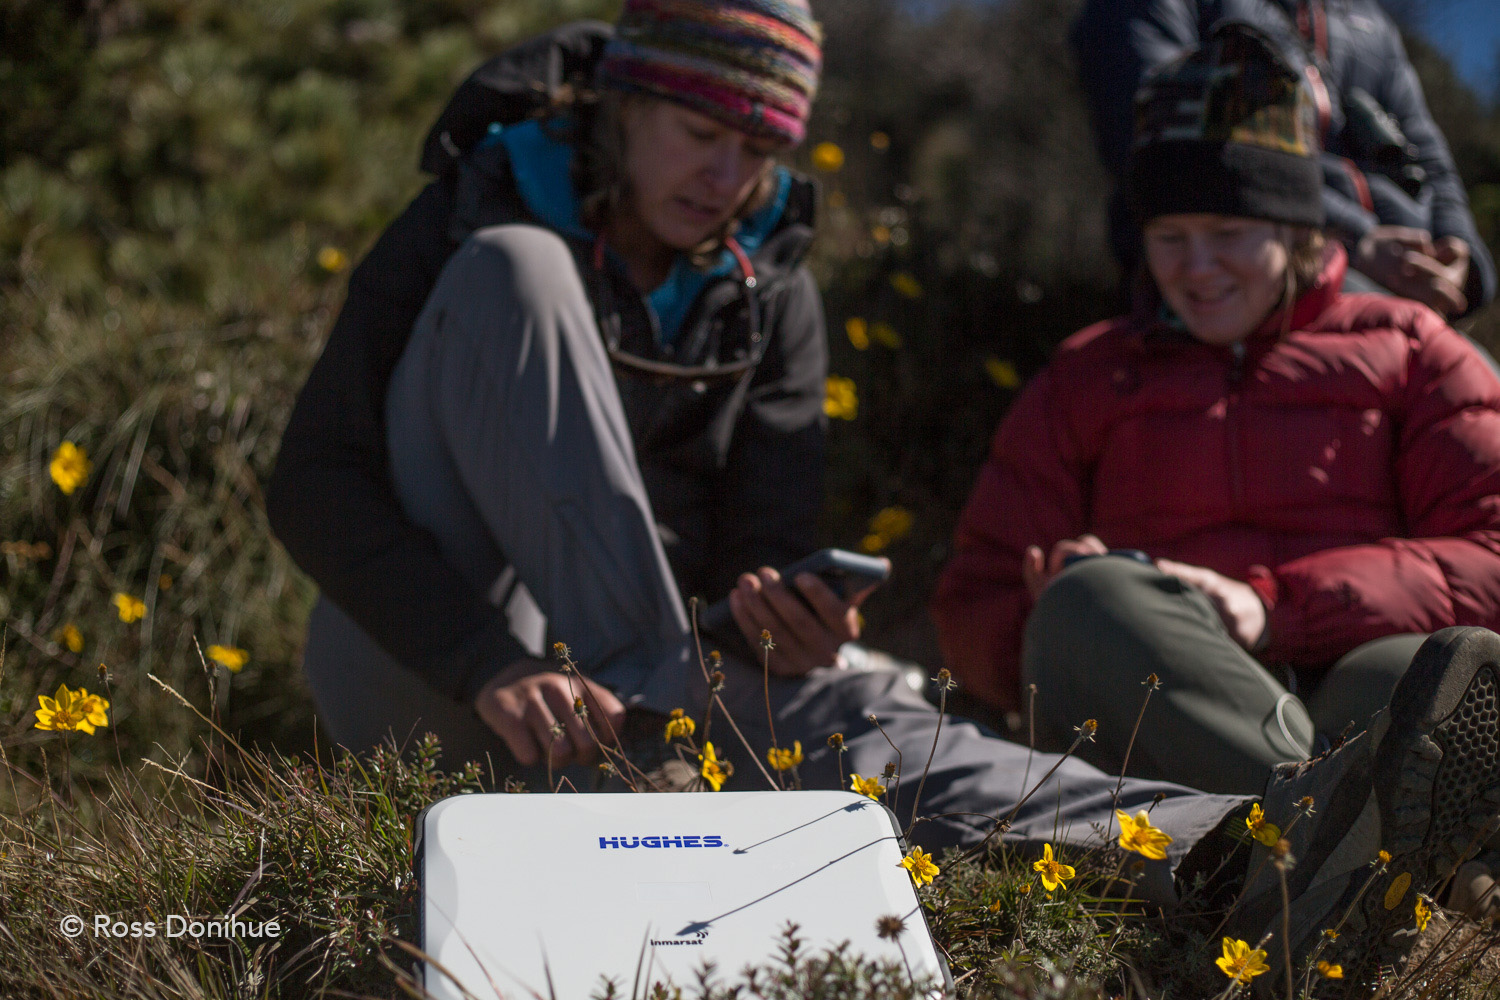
column 182, row 186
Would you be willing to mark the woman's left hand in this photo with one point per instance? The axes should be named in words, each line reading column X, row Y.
column 1239, row 606
column 803, row 637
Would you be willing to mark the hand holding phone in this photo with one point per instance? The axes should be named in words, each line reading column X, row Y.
column 846, row 574
column 807, row 627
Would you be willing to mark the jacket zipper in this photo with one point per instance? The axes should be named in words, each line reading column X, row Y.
column 1232, row 424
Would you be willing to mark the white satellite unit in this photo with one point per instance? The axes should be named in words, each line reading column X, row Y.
column 543, row 895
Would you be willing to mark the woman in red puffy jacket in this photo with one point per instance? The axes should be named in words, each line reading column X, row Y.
column 1255, row 489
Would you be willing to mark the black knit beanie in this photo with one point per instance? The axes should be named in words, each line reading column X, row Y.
column 1228, row 129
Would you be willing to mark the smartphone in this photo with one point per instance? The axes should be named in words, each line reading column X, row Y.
column 846, row 573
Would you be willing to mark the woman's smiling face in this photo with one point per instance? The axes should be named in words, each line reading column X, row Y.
column 1222, row 274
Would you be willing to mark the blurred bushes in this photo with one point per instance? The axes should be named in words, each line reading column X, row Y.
column 184, row 183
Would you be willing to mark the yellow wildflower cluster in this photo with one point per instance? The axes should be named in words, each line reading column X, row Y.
column 827, row 157
column 1138, row 835
column 1240, row 962
column 332, row 259
column 69, row 638
column 866, row 786
column 840, row 398
column 1263, row 831
column 714, row 771
column 130, row 608
column 69, row 467
column 906, row 285
column 231, row 658
column 679, row 726
column 1054, row 873
column 782, row 759
column 71, row 711
column 890, row 524
column 1002, row 372
column 858, row 332
column 920, row 866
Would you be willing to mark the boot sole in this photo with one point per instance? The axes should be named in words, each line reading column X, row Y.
column 1437, row 781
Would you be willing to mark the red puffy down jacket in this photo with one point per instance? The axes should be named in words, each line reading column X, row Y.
column 1348, row 469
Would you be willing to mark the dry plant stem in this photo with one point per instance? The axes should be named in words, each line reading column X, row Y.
column 1286, row 927
column 708, row 710
column 900, row 764
column 1004, row 822
column 765, row 684
column 921, row 782
column 1030, row 732
column 1253, row 873
column 1125, row 764
column 254, row 767
column 745, row 743
column 1452, row 960
column 605, row 749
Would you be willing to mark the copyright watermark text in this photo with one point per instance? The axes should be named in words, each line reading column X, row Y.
column 175, row 926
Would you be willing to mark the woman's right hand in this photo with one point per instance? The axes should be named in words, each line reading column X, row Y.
column 526, row 699
column 1038, row 570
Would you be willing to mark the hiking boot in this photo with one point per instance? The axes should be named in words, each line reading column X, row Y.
column 1422, row 784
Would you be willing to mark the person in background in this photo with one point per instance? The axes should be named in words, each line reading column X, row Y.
column 1308, row 480
column 1390, row 191
column 533, row 419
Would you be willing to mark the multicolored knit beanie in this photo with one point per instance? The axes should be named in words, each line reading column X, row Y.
column 751, row 64
column 1229, row 129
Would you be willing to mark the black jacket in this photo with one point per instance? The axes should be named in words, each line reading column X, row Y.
column 1118, row 41
column 733, row 466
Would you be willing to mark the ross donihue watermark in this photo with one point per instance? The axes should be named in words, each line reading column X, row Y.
column 176, row 926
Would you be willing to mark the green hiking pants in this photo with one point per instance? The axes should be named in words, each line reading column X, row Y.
column 1221, row 720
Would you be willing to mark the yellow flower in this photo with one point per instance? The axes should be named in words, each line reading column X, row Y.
column 841, row 399
column 885, row 335
column 164, row 582
column 784, row 760
column 1140, row 836
column 859, row 333
column 131, row 609
column 893, row 522
column 1240, row 962
column 866, row 786
column 1001, row 372
column 906, row 285
column 889, row 525
column 1384, row 857
column 1328, row 970
column 827, row 157
column 679, row 726
column 1397, row 891
column 1054, row 874
column 919, row 866
column 229, row 657
column 1260, row 829
column 71, row 711
column 880, row 141
column 1424, row 913
column 69, row 637
column 70, row 467
column 332, row 259
column 713, row 769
